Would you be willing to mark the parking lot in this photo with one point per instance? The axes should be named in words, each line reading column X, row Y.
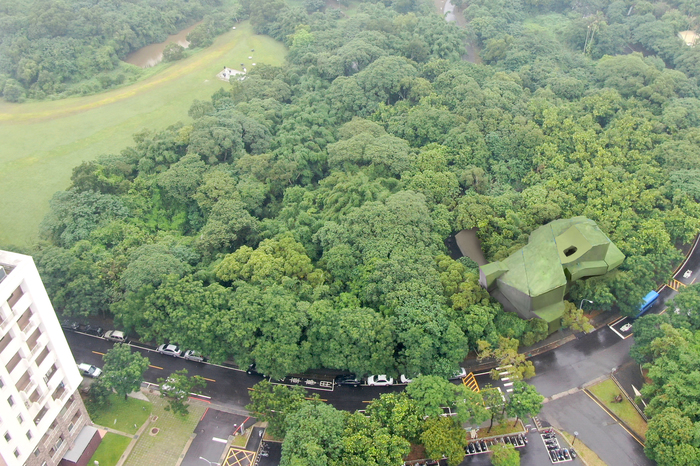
column 213, row 432
column 622, row 327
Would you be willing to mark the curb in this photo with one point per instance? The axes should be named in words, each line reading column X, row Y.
column 622, row 423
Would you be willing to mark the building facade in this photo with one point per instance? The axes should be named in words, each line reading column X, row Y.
column 41, row 412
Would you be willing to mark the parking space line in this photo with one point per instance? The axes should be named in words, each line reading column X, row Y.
column 617, row 333
column 209, row 380
column 509, row 384
column 97, row 352
column 155, row 367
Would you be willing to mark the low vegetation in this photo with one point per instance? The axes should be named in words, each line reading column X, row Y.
column 123, row 415
column 110, row 450
column 610, row 395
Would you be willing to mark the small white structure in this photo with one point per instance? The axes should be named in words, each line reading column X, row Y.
column 227, row 73
column 689, row 37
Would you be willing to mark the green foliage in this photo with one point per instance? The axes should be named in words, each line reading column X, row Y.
column 177, row 388
column 524, row 401
column 432, row 393
column 443, row 436
column 173, row 52
column 504, row 455
column 54, row 48
column 98, row 396
column 123, row 370
column 275, row 404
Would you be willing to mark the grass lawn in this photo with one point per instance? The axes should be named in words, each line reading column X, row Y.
column 499, row 429
column 127, row 413
column 606, row 392
column 110, row 450
column 167, row 445
column 43, row 141
column 588, row 455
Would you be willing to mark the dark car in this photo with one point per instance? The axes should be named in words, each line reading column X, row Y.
column 524, row 438
column 483, row 445
column 477, row 447
column 519, row 440
column 548, row 435
column 507, row 440
column 349, row 380
column 552, row 447
column 90, row 330
column 70, row 325
column 560, row 455
column 553, row 454
column 566, row 453
column 573, row 454
column 471, row 448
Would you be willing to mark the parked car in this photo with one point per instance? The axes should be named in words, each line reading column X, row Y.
column 89, row 370
column 196, row 356
column 90, row 330
column 477, row 447
column 116, row 336
column 573, row 454
column 553, row 454
column 687, row 273
column 70, row 325
column 170, row 350
column 349, row 380
column 566, row 453
column 404, row 378
column 460, row 374
column 472, row 450
column 483, row 445
column 168, row 387
column 380, row 380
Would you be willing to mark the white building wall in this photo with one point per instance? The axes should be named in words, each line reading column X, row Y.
column 41, row 365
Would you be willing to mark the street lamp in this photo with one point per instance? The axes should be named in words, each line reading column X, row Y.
column 574, row 441
column 210, row 462
column 580, row 306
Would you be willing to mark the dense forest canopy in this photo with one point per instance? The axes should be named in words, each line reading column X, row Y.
column 298, row 219
column 64, row 47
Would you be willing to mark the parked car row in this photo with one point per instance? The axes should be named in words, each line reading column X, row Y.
column 381, row 380
column 118, row 336
column 557, row 454
column 482, row 446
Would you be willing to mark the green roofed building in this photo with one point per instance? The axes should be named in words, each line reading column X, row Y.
column 533, row 280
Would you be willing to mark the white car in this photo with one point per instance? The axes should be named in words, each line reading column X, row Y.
column 379, row 380
column 170, row 350
column 462, row 373
column 687, row 273
column 404, row 379
column 89, row 370
column 626, row 328
column 116, row 335
column 192, row 355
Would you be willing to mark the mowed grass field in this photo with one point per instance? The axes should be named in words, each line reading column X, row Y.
column 41, row 142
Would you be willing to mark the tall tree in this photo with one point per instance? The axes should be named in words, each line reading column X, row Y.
column 275, row 403
column 524, row 401
column 123, row 370
column 444, row 437
column 504, row 455
column 178, row 387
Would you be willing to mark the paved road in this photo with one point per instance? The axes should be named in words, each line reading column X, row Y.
column 212, row 433
column 596, row 429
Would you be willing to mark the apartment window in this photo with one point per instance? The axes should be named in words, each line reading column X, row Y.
column 20, row 419
column 59, row 442
column 2, row 384
column 7, row 436
column 50, row 373
column 10, row 400
column 16, row 453
column 37, row 452
column 40, row 415
column 29, row 435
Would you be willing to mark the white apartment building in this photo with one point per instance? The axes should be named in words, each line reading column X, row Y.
column 41, row 412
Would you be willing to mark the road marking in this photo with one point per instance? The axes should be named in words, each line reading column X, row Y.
column 509, row 390
column 508, row 384
column 505, row 378
column 482, row 373
column 217, row 439
column 210, row 380
column 97, row 352
column 155, row 367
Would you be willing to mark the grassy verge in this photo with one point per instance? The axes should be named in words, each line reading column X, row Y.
column 129, row 415
column 110, row 450
column 43, row 141
column 589, row 457
column 499, row 429
column 606, row 392
column 165, row 447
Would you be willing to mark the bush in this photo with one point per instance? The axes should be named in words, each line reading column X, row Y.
column 173, row 52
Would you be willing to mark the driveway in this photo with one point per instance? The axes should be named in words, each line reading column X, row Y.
column 212, row 432
column 578, row 413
